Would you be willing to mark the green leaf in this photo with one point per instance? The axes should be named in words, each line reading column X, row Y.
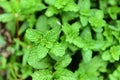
column 67, row 16
column 112, row 2
column 54, row 22
column 83, row 20
column 26, row 71
column 6, row 17
column 49, row 2
column 64, row 74
column 25, row 57
column 41, row 23
column 33, row 35
column 113, row 11
column 115, row 74
column 23, row 28
column 53, row 34
column 12, row 24
column 6, row 6
column 37, row 53
column 96, row 45
column 111, row 77
column 60, row 3
column 70, row 5
column 95, row 22
column 103, row 5
column 45, row 63
column 71, row 32
column 58, row 49
column 106, row 55
column 100, row 13
column 84, row 6
column 89, row 70
column 16, row 6
column 79, row 42
column 72, row 47
column 31, row 20
column 107, row 33
column 63, row 62
column 112, row 55
column 86, row 34
column 115, row 52
column 51, row 10
column 87, row 55
column 42, row 75
column 30, row 6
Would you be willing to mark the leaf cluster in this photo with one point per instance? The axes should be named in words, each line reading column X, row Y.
column 61, row 40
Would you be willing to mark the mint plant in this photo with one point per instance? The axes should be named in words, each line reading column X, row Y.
column 60, row 40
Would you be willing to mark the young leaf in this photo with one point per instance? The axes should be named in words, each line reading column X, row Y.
column 53, row 34
column 95, row 20
column 33, row 35
column 58, row 49
column 71, row 32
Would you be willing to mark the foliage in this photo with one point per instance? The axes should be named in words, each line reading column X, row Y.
column 60, row 40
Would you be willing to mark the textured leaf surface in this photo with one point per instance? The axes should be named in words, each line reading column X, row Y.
column 58, row 49
column 63, row 62
column 33, row 35
column 42, row 75
column 37, row 53
column 64, row 74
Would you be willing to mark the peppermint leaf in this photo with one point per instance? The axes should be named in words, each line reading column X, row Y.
column 33, row 35
column 37, row 53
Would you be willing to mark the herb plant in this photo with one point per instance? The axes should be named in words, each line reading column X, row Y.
column 59, row 39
